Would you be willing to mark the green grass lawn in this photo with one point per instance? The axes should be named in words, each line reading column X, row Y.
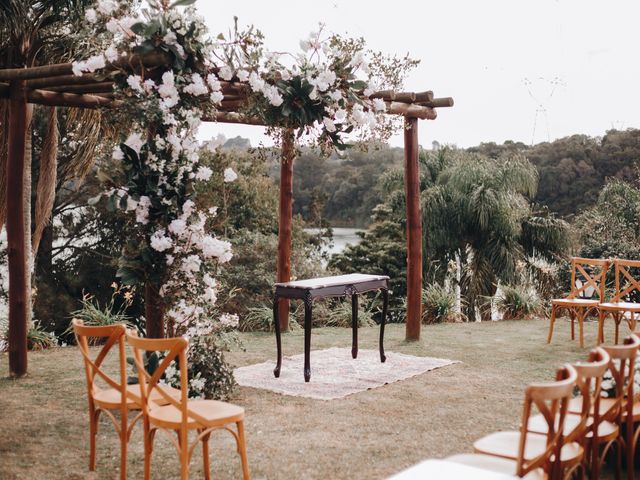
column 367, row 435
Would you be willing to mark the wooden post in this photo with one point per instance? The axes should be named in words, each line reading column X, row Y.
column 16, row 229
column 285, row 221
column 414, row 229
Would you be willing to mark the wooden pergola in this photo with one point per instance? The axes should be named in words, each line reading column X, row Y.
column 56, row 85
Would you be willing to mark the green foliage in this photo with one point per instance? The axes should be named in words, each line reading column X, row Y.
column 516, row 302
column 438, row 304
column 39, row 339
column 337, row 313
column 474, row 207
column 93, row 314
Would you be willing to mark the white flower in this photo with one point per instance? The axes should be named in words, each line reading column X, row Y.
column 91, row 15
column 203, row 173
column 160, row 242
column 117, row 153
column 243, row 75
column 273, row 95
column 257, row 84
column 191, row 264
column 379, row 105
column 111, row 54
column 216, row 97
column 135, row 82
column 107, row 7
column 178, row 227
column 328, row 124
column 325, row 79
column 229, row 175
column 213, row 82
column 76, row 68
column 135, row 142
column 340, row 115
column 225, row 73
column 170, row 38
column 142, row 210
column 197, row 86
column 215, row 248
column 95, row 62
column 229, row 320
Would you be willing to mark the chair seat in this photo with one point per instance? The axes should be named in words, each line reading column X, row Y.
column 110, row 398
column 607, row 431
column 636, row 412
column 606, row 404
column 505, row 445
column 538, row 424
column 495, row 464
column 212, row 412
column 620, row 306
column 575, row 302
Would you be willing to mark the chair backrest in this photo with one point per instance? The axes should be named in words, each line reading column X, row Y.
column 587, row 274
column 589, row 382
column 552, row 401
column 114, row 335
column 174, row 348
column 625, row 282
column 622, row 367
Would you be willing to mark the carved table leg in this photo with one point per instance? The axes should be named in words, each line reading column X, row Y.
column 276, row 326
column 385, row 305
column 308, row 305
column 354, row 325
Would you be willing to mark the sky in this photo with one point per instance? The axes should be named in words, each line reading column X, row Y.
column 528, row 71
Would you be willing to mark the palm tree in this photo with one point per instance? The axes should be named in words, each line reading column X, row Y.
column 479, row 209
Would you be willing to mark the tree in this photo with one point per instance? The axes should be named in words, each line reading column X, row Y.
column 474, row 207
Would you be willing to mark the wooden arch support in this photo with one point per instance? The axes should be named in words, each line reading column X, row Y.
column 56, row 85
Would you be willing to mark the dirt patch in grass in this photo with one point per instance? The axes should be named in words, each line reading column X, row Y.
column 372, row 434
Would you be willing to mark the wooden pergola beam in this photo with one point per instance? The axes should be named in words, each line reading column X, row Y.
column 155, row 59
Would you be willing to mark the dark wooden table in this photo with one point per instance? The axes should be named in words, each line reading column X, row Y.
column 327, row 287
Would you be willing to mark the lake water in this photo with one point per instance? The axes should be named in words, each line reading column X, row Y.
column 341, row 238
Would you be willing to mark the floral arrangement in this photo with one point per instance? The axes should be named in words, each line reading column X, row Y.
column 323, row 93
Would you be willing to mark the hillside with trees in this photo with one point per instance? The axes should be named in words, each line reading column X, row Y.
column 571, row 170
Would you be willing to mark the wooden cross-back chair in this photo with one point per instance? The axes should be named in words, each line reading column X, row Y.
column 525, row 453
column 181, row 415
column 591, row 273
column 112, row 398
column 620, row 409
column 619, row 309
column 580, row 424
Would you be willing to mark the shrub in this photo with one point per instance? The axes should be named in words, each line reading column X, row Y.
column 39, row 339
column 93, row 315
column 439, row 305
column 260, row 319
column 339, row 315
column 516, row 302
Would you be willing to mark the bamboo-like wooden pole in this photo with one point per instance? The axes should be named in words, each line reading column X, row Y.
column 411, row 110
column 285, row 221
column 414, row 229
column 16, row 229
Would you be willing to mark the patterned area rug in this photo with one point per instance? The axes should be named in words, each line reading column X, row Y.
column 334, row 374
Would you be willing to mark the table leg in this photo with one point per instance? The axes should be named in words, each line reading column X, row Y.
column 354, row 325
column 385, row 305
column 308, row 305
column 276, row 326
